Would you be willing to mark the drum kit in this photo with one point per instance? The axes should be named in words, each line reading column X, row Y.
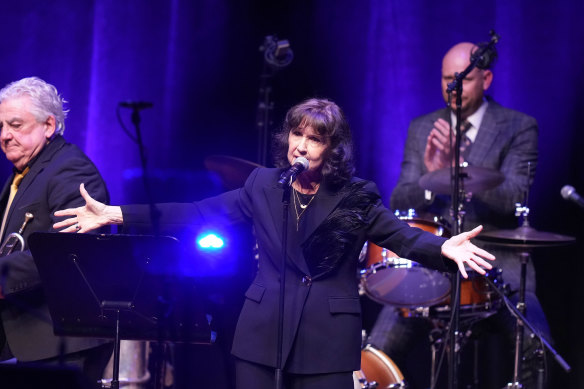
column 416, row 291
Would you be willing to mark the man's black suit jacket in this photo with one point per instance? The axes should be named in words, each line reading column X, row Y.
column 51, row 184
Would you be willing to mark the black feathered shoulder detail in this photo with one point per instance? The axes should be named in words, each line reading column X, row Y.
column 334, row 239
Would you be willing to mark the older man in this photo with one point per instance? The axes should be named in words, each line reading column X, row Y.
column 498, row 138
column 46, row 176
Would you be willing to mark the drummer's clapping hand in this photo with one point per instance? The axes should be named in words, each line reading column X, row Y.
column 91, row 216
column 460, row 249
column 438, row 153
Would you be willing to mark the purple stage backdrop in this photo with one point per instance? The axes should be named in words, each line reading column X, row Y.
column 199, row 63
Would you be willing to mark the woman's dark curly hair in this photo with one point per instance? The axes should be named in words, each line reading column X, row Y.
column 328, row 120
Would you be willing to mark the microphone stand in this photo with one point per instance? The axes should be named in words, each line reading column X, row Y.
column 154, row 216
column 159, row 349
column 457, row 214
column 286, row 204
column 277, row 55
column 453, row 329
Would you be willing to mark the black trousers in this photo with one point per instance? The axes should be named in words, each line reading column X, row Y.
column 250, row 375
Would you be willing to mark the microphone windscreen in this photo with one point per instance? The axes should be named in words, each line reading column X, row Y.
column 303, row 161
column 489, row 56
column 567, row 191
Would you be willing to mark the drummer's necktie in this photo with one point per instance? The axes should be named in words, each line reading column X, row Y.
column 465, row 142
column 13, row 188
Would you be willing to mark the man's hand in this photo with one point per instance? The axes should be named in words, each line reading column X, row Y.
column 438, row 153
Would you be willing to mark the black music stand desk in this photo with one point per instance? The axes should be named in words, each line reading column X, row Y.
column 120, row 287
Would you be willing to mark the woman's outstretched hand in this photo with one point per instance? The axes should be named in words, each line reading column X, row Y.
column 460, row 249
column 89, row 217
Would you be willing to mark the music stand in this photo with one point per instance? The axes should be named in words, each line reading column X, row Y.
column 120, row 287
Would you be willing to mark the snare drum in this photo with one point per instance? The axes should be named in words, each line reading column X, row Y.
column 477, row 298
column 377, row 371
column 396, row 281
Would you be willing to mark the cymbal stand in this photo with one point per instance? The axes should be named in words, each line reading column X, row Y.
column 524, row 257
column 522, row 322
column 521, row 211
column 436, row 341
column 519, row 330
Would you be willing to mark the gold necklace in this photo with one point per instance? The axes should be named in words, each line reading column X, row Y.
column 303, row 207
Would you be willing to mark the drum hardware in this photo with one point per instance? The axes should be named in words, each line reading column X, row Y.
column 439, row 346
column 519, row 330
column 438, row 225
column 433, row 224
column 15, row 239
column 478, row 300
column 415, row 312
column 409, row 214
column 360, row 381
column 524, row 239
column 436, row 340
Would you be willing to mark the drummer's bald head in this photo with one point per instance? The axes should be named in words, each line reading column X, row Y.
column 456, row 60
column 460, row 52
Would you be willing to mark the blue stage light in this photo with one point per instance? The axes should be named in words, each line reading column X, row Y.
column 210, row 241
column 215, row 250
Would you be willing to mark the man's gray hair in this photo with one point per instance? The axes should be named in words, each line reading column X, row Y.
column 44, row 97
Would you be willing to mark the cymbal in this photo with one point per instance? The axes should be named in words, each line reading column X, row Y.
column 525, row 236
column 474, row 179
column 233, row 171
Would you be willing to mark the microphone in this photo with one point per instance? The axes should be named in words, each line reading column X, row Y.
column 569, row 193
column 487, row 51
column 277, row 53
column 135, row 104
column 487, row 60
column 289, row 176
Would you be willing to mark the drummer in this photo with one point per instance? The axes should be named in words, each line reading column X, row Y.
column 494, row 137
column 331, row 215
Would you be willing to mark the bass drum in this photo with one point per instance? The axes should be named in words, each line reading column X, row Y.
column 389, row 279
column 377, row 371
